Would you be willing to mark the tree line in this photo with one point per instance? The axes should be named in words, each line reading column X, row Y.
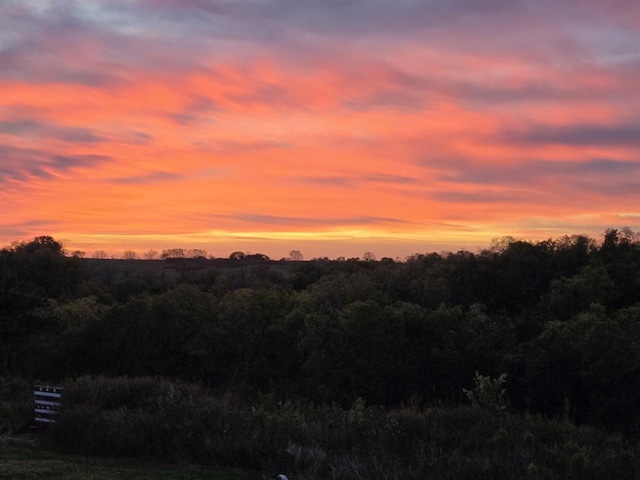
column 559, row 318
column 194, row 253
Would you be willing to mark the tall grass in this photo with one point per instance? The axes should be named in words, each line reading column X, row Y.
column 151, row 417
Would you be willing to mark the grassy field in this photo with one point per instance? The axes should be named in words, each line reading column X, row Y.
column 21, row 458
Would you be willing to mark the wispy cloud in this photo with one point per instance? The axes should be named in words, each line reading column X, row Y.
column 37, row 129
column 147, row 178
column 532, row 172
column 24, row 163
column 619, row 135
column 286, row 221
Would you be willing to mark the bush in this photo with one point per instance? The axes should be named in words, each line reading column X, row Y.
column 488, row 393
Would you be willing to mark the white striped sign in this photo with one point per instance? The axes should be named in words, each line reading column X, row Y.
column 48, row 400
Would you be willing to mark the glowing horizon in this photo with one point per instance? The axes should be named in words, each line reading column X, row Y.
column 334, row 129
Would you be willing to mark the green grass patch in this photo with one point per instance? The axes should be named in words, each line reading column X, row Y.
column 23, row 458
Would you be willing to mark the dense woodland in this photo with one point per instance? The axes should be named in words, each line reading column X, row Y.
column 555, row 323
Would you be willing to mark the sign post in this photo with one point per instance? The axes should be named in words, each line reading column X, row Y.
column 48, row 400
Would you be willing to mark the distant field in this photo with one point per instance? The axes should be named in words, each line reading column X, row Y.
column 22, row 459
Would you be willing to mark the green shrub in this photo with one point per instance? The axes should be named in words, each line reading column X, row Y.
column 488, row 393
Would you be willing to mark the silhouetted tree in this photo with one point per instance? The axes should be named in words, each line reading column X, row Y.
column 173, row 253
column 369, row 257
column 296, row 255
column 150, row 254
column 129, row 255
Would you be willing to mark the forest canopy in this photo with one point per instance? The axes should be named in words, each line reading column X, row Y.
column 561, row 318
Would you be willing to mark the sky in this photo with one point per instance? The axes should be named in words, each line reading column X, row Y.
column 333, row 127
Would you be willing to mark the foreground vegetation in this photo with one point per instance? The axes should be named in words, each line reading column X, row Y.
column 151, row 417
column 521, row 361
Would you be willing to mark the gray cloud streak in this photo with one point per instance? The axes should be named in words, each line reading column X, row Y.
column 608, row 177
column 620, row 135
column 288, row 221
column 151, row 177
column 41, row 130
column 22, row 164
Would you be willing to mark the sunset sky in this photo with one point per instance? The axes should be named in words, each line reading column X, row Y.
column 333, row 127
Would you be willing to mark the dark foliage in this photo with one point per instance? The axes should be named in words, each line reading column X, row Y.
column 172, row 420
column 560, row 317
